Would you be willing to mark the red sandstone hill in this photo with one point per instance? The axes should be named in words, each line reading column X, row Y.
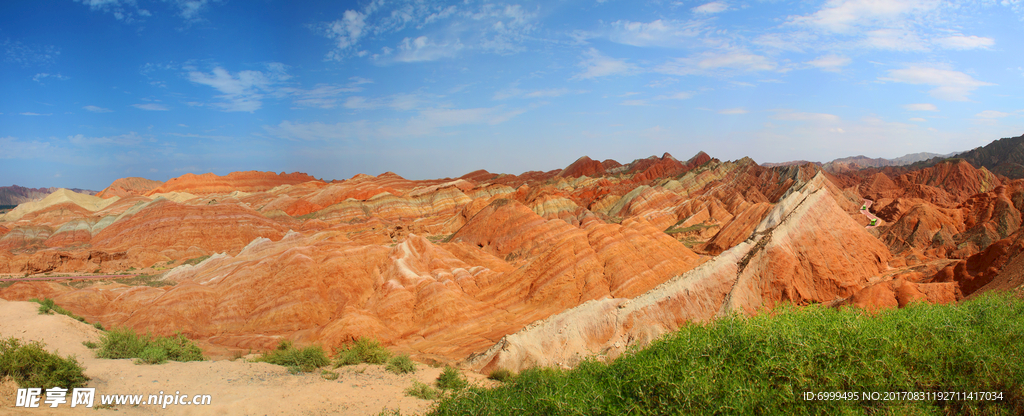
column 251, row 181
column 513, row 270
column 129, row 187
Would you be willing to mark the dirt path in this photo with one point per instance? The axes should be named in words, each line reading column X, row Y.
column 236, row 387
column 864, row 209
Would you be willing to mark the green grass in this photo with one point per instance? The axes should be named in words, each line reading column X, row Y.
column 47, row 307
column 31, row 366
column 297, row 360
column 451, row 379
column 195, row 261
column 764, row 364
column 153, row 280
column 363, row 350
column 422, row 391
column 148, row 349
column 401, row 364
column 501, row 374
column 696, row 227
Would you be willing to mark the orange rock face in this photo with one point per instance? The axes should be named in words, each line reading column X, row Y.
column 251, row 181
column 514, row 270
column 129, row 187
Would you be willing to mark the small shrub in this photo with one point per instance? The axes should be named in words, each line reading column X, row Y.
column 401, row 364
column 502, row 374
column 451, row 379
column 300, row 359
column 32, row 366
column 125, row 343
column 389, row 412
column 422, row 391
column 90, row 345
column 98, row 326
column 363, row 350
column 329, row 375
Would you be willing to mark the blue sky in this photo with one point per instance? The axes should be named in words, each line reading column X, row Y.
column 94, row 90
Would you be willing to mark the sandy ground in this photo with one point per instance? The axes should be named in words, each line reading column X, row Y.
column 236, row 387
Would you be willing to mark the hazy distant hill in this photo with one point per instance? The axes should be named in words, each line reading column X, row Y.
column 1003, row 156
column 861, row 162
column 14, row 194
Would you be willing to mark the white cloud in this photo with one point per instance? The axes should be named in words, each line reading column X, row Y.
column 244, row 90
column 345, row 32
column 733, row 111
column 190, row 9
column 598, row 65
column 41, row 76
column 965, row 42
column 846, row 16
column 124, row 140
column 427, row 122
column 127, row 11
column 663, row 33
column 423, row 49
column 801, row 116
column 921, row 107
column 949, row 85
column 35, row 114
column 711, row 8
column 548, row 93
column 634, row 102
column 832, row 63
column 150, row 107
column 96, row 109
column 677, row 96
column 19, row 149
column 29, row 55
column 894, row 40
column 991, row 114
column 918, row 120
column 718, row 63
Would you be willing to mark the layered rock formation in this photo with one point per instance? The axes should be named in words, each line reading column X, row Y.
column 540, row 268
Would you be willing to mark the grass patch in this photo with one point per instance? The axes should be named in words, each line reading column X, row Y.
column 153, row 280
column 363, row 350
column 329, row 375
column 125, row 343
column 47, row 307
column 423, row 391
column 692, row 228
column 195, row 261
column 451, row 379
column 764, row 364
column 401, row 364
column 31, row 366
column 297, row 360
column 502, row 374
column 440, row 238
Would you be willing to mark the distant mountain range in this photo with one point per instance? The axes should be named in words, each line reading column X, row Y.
column 1004, row 157
column 14, row 194
column 860, row 162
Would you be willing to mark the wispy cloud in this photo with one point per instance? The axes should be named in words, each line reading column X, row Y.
column 733, row 111
column 965, row 42
column 15, row 148
column 35, row 114
column 802, row 116
column 718, row 62
column 127, row 11
column 991, row 114
column 96, row 109
column 685, row 95
column 19, row 53
column 423, row 49
column 426, row 122
column 832, row 63
column 921, row 107
column 42, row 76
column 151, row 107
column 949, row 85
column 596, row 65
column 711, row 8
column 244, row 90
column 662, row 33
column 124, row 140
